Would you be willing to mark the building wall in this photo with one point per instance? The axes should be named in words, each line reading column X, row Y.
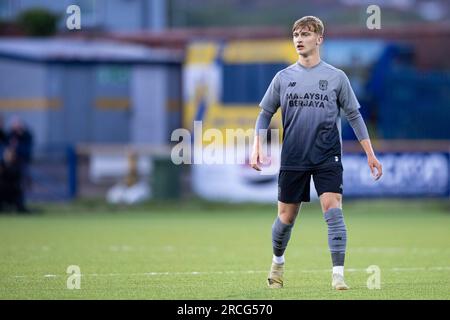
column 149, row 96
column 56, row 131
column 23, row 93
column 69, row 103
column 174, row 103
column 77, row 94
column 111, row 107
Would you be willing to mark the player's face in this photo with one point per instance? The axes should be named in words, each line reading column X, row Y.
column 305, row 41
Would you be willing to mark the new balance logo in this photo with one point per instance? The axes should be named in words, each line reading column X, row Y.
column 292, row 84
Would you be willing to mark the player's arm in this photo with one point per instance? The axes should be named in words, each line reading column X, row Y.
column 350, row 105
column 269, row 105
column 356, row 121
column 262, row 123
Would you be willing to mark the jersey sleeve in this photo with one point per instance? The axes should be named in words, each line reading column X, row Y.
column 346, row 98
column 271, row 100
column 348, row 102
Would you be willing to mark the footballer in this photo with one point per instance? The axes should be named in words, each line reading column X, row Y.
column 311, row 94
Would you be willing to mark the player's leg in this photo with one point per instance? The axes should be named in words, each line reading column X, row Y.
column 282, row 227
column 281, row 233
column 328, row 184
column 337, row 235
column 293, row 188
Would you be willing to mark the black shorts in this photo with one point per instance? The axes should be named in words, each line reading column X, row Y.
column 294, row 186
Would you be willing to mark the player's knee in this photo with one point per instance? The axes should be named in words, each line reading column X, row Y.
column 287, row 216
column 330, row 205
column 287, row 219
column 330, row 201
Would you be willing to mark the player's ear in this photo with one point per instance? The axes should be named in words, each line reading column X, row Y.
column 319, row 40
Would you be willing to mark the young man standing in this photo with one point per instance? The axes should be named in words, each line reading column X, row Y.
column 311, row 94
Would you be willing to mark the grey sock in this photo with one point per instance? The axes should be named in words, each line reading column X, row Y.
column 281, row 233
column 337, row 235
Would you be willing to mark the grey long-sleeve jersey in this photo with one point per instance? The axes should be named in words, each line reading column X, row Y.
column 311, row 100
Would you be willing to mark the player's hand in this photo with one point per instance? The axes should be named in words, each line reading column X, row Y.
column 255, row 158
column 375, row 164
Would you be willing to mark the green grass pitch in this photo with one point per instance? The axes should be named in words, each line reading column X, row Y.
column 198, row 250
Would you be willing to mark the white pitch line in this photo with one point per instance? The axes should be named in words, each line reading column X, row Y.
column 438, row 268
column 395, row 269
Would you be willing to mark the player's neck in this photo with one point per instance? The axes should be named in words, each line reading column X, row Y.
column 309, row 61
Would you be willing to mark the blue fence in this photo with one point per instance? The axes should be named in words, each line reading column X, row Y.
column 53, row 175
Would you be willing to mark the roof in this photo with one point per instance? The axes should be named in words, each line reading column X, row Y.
column 84, row 50
column 180, row 37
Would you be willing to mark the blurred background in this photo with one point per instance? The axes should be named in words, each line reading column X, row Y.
column 89, row 112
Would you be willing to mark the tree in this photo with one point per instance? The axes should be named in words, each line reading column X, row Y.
column 38, row 22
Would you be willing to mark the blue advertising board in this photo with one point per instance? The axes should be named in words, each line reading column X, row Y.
column 404, row 175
